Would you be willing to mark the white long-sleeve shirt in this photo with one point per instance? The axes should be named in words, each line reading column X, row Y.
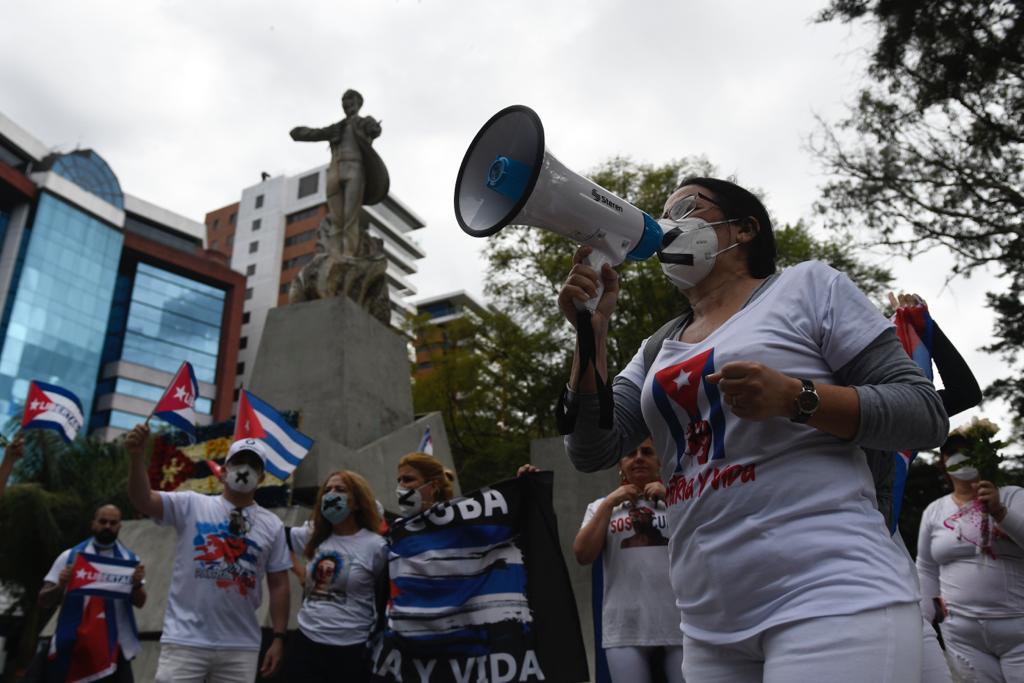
column 970, row 582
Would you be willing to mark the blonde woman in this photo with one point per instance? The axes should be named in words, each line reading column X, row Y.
column 344, row 556
column 422, row 481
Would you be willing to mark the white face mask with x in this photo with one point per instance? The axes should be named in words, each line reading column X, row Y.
column 242, row 478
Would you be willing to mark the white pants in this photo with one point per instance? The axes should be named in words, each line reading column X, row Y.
column 985, row 650
column 633, row 664
column 934, row 667
column 881, row 646
column 184, row 664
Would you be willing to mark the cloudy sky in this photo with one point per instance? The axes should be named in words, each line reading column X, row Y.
column 190, row 101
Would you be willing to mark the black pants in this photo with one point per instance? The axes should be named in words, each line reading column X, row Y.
column 306, row 661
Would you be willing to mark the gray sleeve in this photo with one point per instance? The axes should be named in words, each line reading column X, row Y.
column 591, row 448
column 899, row 407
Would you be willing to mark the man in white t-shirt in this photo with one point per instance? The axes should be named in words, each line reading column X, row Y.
column 225, row 546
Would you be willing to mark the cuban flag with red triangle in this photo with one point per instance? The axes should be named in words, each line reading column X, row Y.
column 257, row 419
column 681, row 386
column 51, row 407
column 177, row 406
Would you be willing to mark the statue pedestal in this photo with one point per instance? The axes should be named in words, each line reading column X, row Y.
column 348, row 375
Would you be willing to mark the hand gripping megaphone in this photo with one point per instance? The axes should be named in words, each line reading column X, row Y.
column 508, row 177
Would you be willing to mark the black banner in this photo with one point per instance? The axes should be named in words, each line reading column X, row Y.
column 480, row 592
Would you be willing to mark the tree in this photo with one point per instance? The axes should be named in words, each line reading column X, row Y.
column 498, row 380
column 932, row 153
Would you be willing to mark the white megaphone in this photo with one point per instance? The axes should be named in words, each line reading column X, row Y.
column 508, row 177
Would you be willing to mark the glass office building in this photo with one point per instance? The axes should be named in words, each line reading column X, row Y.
column 59, row 311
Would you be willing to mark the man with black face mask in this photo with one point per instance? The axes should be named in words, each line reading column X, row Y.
column 94, row 611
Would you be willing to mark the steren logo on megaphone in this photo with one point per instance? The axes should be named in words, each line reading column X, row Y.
column 508, row 177
column 598, row 197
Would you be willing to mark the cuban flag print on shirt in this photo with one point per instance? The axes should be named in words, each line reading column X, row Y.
column 258, row 420
column 177, row 406
column 681, row 386
column 51, row 407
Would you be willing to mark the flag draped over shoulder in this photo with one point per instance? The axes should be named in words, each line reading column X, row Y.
column 479, row 591
column 96, row 622
column 257, row 419
column 914, row 328
column 48, row 406
column 177, row 405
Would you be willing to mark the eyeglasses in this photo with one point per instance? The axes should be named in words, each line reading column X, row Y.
column 238, row 523
column 684, row 206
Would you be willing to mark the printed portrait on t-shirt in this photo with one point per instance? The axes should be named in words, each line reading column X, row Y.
column 325, row 577
column 227, row 558
column 645, row 524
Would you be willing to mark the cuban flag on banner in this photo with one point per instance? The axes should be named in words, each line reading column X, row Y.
column 51, row 407
column 915, row 329
column 258, row 420
column 177, row 406
column 426, row 443
column 684, row 385
column 105, row 577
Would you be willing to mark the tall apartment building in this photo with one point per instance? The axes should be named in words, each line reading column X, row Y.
column 441, row 310
column 270, row 233
column 104, row 293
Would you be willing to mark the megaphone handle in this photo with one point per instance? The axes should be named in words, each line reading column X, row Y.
column 596, row 260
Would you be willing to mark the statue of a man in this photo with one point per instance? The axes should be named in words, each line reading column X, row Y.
column 356, row 177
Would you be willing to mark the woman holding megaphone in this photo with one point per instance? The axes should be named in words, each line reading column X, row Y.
column 759, row 399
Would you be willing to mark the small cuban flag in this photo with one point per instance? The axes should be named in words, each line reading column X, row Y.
column 105, row 577
column 258, row 420
column 426, row 443
column 51, row 407
column 177, row 406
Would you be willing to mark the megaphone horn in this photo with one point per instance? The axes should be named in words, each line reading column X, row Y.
column 509, row 177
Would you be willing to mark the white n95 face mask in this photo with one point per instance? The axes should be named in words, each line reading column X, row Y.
column 966, row 473
column 688, row 250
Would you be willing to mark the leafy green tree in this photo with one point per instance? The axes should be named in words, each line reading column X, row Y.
column 498, row 380
column 931, row 154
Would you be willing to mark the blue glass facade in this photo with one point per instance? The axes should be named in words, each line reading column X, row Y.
column 61, row 304
column 172, row 318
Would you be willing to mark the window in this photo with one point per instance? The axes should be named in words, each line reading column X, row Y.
column 248, row 293
column 256, row 224
column 302, row 215
column 216, row 224
column 231, row 241
column 259, row 201
column 240, row 368
column 232, row 218
column 284, row 288
column 250, row 269
column 238, row 390
column 245, row 318
column 213, row 244
column 296, row 262
column 309, row 185
column 254, row 247
column 300, row 238
column 243, row 343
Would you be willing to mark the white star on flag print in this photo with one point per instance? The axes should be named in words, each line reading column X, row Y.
column 177, row 405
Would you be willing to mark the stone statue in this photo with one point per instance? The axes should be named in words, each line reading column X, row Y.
column 348, row 262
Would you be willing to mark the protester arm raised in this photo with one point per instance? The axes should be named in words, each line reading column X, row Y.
column 142, row 496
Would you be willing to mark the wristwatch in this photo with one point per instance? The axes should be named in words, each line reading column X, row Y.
column 279, row 635
column 806, row 402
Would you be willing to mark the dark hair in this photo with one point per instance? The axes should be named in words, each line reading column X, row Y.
column 355, row 94
column 739, row 203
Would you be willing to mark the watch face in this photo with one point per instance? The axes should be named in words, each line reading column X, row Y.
column 808, row 401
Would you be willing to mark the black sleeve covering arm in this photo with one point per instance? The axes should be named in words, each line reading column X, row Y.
column 961, row 390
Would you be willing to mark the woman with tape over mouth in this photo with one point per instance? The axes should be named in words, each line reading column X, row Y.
column 759, row 399
column 422, row 482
